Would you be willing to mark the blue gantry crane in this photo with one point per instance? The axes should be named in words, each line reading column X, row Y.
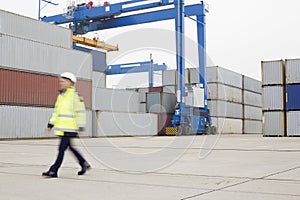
column 83, row 18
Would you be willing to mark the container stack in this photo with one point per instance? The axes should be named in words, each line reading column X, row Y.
column 33, row 54
column 225, row 99
column 273, row 85
column 292, row 72
column 252, row 106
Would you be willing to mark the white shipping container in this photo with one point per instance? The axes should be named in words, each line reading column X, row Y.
column 273, row 123
column 29, row 122
column 217, row 91
column 272, row 72
column 252, row 85
column 227, row 125
column 169, row 89
column 225, row 109
column 293, row 123
column 142, row 94
column 116, row 100
column 252, row 126
column 194, row 75
column 253, row 113
column 143, row 107
column 218, row 74
column 292, row 71
column 98, row 79
column 252, row 99
column 169, row 77
column 273, row 98
column 126, row 124
column 35, row 30
column 38, row 57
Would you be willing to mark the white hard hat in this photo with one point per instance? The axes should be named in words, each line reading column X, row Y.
column 69, row 75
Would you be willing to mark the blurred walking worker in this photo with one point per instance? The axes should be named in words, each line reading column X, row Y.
column 67, row 120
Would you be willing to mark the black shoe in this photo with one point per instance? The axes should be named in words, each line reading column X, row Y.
column 50, row 174
column 85, row 167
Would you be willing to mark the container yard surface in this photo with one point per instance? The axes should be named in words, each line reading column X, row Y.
column 209, row 167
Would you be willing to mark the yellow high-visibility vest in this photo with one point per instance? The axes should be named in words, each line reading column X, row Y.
column 69, row 113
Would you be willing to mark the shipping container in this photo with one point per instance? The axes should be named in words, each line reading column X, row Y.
column 272, row 72
column 273, row 98
column 252, row 99
column 142, row 94
column 217, row 91
column 126, row 124
column 98, row 79
column 156, row 89
column 30, row 89
column 143, row 107
column 227, row 125
column 225, row 109
column 218, row 74
column 35, row 30
column 26, row 55
column 252, row 127
column 292, row 71
column 252, row 85
column 169, row 77
column 99, row 58
column 274, row 123
column 293, row 123
column 293, row 97
column 194, row 97
column 252, row 113
column 160, row 102
column 164, row 121
column 116, row 100
column 194, row 75
column 169, row 89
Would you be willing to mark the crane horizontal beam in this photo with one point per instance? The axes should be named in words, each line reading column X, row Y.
column 94, row 43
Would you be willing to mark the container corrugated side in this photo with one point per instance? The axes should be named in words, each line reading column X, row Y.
column 252, row 99
column 31, row 89
column 218, row 74
column 227, row 125
column 273, row 98
column 99, row 79
column 225, row 109
column 169, row 89
column 217, row 91
column 160, row 102
column 274, row 123
column 142, row 94
column 292, row 71
column 169, row 77
column 126, row 124
column 253, row 113
column 272, row 72
column 116, row 100
column 99, row 58
column 20, row 122
column 32, row 29
column 252, row 85
column 24, row 122
column 252, row 127
column 38, row 57
column 293, row 97
column 194, row 75
column 293, row 123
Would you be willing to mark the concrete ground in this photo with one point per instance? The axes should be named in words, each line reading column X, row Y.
column 241, row 167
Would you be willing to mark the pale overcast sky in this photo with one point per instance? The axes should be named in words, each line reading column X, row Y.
column 240, row 34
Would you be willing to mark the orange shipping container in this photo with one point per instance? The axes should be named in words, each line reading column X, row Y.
column 31, row 89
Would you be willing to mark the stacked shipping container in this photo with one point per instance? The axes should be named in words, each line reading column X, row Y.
column 273, row 98
column 292, row 72
column 32, row 55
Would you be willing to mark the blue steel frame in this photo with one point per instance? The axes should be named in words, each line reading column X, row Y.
column 103, row 17
column 136, row 67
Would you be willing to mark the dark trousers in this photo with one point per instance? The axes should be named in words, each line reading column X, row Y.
column 65, row 142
